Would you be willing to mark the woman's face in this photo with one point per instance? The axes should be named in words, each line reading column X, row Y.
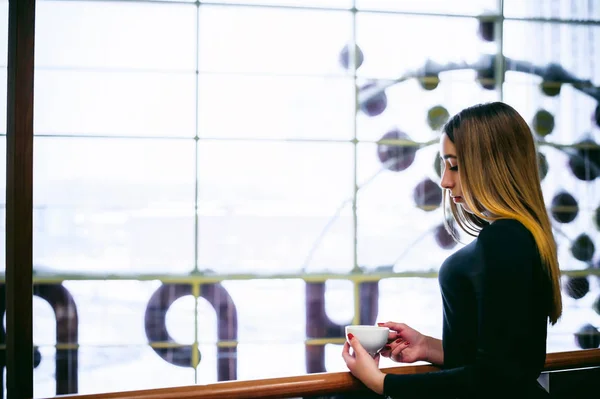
column 450, row 178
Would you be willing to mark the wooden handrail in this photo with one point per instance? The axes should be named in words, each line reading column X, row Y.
column 315, row 384
column 572, row 360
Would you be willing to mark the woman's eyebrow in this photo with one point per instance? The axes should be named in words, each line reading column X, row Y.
column 448, row 156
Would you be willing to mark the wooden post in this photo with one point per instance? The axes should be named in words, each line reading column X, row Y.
column 19, row 199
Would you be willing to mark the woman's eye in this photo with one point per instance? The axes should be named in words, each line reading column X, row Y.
column 453, row 168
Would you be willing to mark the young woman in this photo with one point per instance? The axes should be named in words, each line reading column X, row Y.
column 499, row 291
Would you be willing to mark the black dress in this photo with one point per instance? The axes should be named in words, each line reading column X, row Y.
column 495, row 296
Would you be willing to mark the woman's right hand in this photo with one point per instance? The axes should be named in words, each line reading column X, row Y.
column 406, row 345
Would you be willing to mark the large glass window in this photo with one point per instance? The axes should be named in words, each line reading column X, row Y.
column 212, row 196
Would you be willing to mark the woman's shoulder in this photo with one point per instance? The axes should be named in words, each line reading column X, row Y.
column 505, row 228
column 506, row 235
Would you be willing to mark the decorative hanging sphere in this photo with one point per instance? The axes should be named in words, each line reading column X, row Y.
column 486, row 77
column 588, row 337
column 402, row 155
column 429, row 82
column 552, row 82
column 37, row 357
column 427, row 195
column 564, row 207
column 542, row 165
column 345, row 57
column 437, row 116
column 596, row 305
column 486, row 30
column 551, row 89
column 443, row 238
column 543, row 122
column 437, row 165
column 374, row 105
column 577, row 287
column 583, row 248
column 585, row 163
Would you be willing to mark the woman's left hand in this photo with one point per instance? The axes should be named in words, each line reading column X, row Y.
column 362, row 365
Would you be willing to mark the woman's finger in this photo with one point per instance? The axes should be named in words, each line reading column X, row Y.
column 396, row 342
column 346, row 348
column 392, row 336
column 392, row 345
column 398, row 349
column 386, row 351
column 346, row 353
column 356, row 346
column 393, row 326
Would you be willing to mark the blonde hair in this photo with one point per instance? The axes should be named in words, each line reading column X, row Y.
column 499, row 176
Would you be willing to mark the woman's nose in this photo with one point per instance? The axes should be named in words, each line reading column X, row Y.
column 446, row 182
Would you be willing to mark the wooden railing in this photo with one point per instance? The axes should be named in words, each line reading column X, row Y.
column 316, row 384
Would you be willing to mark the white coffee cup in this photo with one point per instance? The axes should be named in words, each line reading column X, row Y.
column 372, row 338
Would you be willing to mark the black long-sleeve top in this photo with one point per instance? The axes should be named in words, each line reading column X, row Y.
column 494, row 293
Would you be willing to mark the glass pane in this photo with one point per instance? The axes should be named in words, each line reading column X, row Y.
column 575, row 48
column 571, row 113
column 423, row 294
column 100, row 35
column 114, row 205
column 262, row 192
column 102, row 370
column 181, row 326
column 432, row 6
column 424, row 313
column 271, row 207
column 395, row 44
column 339, row 302
column 578, row 312
column 294, row 3
column 559, row 114
column 393, row 232
column 334, row 362
column 564, row 9
column 559, row 181
column 3, row 99
column 4, row 38
column 112, row 312
column 570, row 124
column 255, row 360
column 114, row 104
column 243, row 39
column 408, row 107
column 107, row 320
column 44, row 374
column 315, row 108
column 44, row 340
column 284, row 321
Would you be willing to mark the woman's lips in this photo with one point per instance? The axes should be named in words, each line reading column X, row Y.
column 457, row 199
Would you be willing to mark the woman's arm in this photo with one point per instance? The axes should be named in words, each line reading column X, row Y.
column 407, row 345
column 369, row 372
column 435, row 351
